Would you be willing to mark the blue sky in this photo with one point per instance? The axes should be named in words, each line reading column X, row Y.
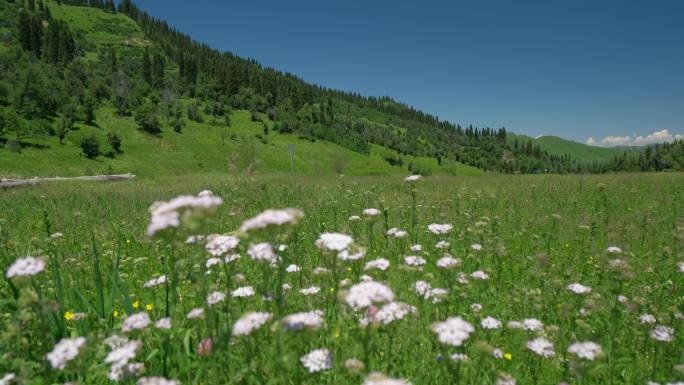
column 575, row 69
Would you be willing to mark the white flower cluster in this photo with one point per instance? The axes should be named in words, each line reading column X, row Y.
column 371, row 212
column 155, row 282
column 310, row 290
column 215, row 297
column 123, row 351
column 397, row 233
column 447, row 262
column 490, row 323
column 426, row 290
column 249, row 322
column 262, row 252
column 376, row 378
column 311, row 320
column 242, row 292
column 662, row 333
column 317, row 360
column 578, row 288
column 136, row 321
column 26, row 267
column 453, row 331
column 388, row 313
column 156, row 381
column 272, row 218
column 380, row 264
column 541, row 346
column 221, row 244
column 173, row 213
column 195, row 313
column 413, row 260
column 334, row 241
column 413, row 178
column 437, row 228
column 64, row 351
column 364, row 294
column 587, row 350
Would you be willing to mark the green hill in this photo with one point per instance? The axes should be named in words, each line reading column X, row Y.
column 78, row 76
column 580, row 151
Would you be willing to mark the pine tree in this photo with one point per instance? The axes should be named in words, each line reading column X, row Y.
column 36, row 35
column 147, row 67
column 25, row 30
column 158, row 70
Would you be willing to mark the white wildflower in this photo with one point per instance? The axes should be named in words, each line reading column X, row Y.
column 26, row 267
column 388, row 313
column 442, row 245
column 413, row 178
column 310, row 290
column 215, row 297
column 155, row 282
column 163, row 323
column 354, row 218
column 437, row 228
column 376, row 378
column 250, row 322
column 476, row 246
column 156, row 381
column 317, row 360
column 293, row 269
column 196, row 313
column 401, row 234
column 448, row 262
column 364, row 294
column 613, row 250
column 453, row 331
column 262, row 252
column 311, row 320
column 578, row 288
column 413, row 260
column 242, row 292
column 542, row 347
column 213, row 262
column 371, row 212
column 480, row 275
column 458, row 357
column 587, row 350
column 662, row 333
column 354, row 255
column 476, row 307
column 221, row 244
column 272, row 218
column 533, row 325
column 490, row 323
column 416, row 248
column 334, row 241
column 380, row 264
column 136, row 321
column 64, row 351
column 647, row 319
column 171, row 214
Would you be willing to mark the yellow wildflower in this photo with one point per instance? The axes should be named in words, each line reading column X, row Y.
column 149, row 307
column 68, row 315
column 508, row 356
column 136, row 304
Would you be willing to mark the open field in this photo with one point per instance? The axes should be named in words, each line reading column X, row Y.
column 536, row 236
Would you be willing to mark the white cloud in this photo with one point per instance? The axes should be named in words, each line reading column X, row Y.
column 661, row 136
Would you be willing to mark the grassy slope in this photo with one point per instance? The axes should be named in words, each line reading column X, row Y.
column 579, row 151
column 198, row 148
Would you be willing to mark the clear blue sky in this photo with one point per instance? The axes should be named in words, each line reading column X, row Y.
column 569, row 68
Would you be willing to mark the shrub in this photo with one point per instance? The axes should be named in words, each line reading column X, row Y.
column 90, row 147
column 114, row 141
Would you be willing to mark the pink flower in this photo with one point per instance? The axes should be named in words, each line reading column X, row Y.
column 205, row 347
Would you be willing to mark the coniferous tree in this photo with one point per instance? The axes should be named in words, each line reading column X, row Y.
column 158, row 70
column 147, row 67
column 25, row 30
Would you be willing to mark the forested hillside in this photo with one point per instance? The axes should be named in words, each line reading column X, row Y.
column 85, row 83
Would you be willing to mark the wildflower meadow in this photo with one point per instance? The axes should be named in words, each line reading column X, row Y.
column 375, row 281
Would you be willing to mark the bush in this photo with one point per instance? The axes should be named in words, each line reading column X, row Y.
column 90, row 147
column 148, row 120
column 194, row 113
column 114, row 141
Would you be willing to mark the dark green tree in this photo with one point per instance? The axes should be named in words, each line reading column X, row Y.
column 90, row 146
column 146, row 67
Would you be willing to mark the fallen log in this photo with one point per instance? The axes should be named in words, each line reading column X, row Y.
column 11, row 183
